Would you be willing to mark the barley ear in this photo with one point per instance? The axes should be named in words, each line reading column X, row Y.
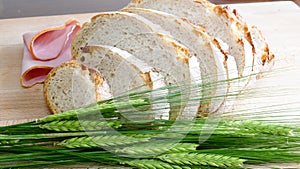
column 202, row 159
column 157, row 148
column 100, row 141
column 151, row 164
column 75, row 125
column 261, row 127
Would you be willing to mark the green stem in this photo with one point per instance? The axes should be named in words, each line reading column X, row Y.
column 104, row 107
column 31, row 157
column 38, row 164
column 48, row 135
column 259, row 155
column 34, row 154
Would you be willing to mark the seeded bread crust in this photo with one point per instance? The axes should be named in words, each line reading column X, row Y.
column 58, row 87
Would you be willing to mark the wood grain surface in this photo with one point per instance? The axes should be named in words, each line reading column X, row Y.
column 279, row 22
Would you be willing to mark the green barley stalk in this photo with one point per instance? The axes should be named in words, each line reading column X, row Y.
column 38, row 164
column 108, row 107
column 45, row 136
column 248, row 128
column 8, row 142
column 221, row 139
column 100, row 141
column 255, row 142
column 160, row 135
column 153, row 164
column 202, row 159
column 157, row 148
column 31, row 156
column 29, row 153
column 252, row 155
column 76, row 125
column 259, row 127
column 157, row 164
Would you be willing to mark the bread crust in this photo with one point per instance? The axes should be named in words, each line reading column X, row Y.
column 232, row 15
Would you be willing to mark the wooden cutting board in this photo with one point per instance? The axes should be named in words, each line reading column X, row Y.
column 279, row 21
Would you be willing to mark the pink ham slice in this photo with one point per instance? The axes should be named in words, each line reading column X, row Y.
column 46, row 49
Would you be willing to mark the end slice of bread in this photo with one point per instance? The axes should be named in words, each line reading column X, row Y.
column 263, row 60
column 73, row 85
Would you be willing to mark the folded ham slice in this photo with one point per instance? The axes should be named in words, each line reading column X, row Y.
column 46, row 49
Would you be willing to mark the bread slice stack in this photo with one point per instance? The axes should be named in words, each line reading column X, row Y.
column 153, row 43
column 146, row 41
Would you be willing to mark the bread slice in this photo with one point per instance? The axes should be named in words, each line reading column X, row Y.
column 139, row 37
column 202, row 46
column 218, row 22
column 73, row 85
column 124, row 72
column 263, row 57
column 108, row 28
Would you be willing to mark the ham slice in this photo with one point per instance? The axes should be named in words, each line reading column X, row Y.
column 46, row 49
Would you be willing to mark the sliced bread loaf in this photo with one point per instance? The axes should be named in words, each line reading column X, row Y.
column 218, row 22
column 202, row 46
column 137, row 35
column 73, row 85
column 124, row 72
